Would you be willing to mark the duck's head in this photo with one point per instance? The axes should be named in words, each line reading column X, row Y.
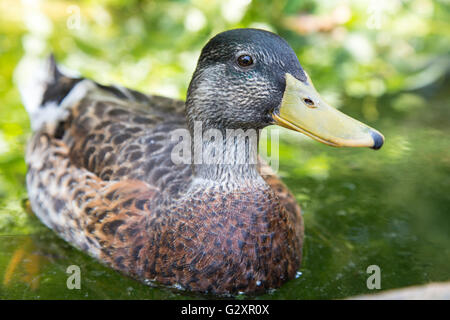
column 249, row 79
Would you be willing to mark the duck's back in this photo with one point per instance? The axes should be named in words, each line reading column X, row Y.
column 99, row 155
column 125, row 135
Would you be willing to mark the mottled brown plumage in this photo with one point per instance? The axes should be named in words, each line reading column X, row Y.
column 102, row 178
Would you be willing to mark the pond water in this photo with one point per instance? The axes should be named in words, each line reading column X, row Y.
column 361, row 207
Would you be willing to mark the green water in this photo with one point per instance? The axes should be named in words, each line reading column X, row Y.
column 361, row 207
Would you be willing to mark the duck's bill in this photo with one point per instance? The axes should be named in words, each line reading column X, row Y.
column 303, row 110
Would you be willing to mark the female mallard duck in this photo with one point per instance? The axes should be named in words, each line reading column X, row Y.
column 101, row 172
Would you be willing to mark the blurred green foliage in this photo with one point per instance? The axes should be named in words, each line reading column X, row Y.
column 385, row 62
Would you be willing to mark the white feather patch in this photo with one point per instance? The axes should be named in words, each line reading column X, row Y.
column 32, row 77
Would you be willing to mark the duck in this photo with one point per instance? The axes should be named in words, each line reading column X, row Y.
column 172, row 192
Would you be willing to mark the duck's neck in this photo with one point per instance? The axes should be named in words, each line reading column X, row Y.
column 225, row 157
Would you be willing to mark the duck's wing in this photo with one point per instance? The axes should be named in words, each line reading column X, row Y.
column 119, row 137
column 113, row 132
column 97, row 158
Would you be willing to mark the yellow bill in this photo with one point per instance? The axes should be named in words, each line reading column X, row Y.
column 303, row 110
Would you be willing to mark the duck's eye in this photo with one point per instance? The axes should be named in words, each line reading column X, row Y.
column 245, row 60
column 308, row 101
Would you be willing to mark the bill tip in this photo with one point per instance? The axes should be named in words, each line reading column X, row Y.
column 378, row 140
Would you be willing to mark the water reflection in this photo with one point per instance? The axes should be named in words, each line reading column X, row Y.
column 24, row 257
